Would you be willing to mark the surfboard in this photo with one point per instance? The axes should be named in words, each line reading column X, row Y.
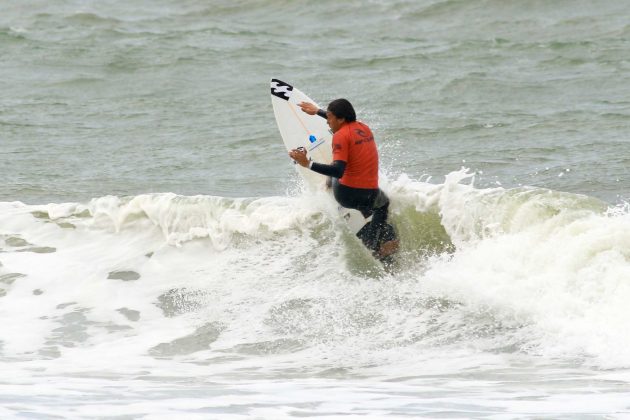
column 298, row 129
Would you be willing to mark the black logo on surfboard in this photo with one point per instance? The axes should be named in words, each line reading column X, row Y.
column 280, row 89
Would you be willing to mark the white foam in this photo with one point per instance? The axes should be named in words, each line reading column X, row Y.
column 556, row 261
column 223, row 288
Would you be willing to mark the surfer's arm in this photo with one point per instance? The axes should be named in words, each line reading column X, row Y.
column 312, row 109
column 335, row 170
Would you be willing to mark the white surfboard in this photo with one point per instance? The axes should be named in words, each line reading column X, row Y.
column 298, row 129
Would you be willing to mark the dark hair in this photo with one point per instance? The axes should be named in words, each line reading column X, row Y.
column 342, row 108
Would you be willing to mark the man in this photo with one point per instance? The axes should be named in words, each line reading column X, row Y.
column 354, row 173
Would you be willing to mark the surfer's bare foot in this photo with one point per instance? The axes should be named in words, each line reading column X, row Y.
column 388, row 248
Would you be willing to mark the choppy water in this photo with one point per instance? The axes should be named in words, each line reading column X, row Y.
column 159, row 259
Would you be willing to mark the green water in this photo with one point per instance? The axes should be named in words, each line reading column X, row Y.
column 126, row 98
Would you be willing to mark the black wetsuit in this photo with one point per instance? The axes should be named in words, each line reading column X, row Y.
column 370, row 202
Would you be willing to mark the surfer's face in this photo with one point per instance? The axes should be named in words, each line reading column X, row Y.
column 333, row 122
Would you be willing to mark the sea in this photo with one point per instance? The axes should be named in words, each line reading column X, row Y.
column 160, row 257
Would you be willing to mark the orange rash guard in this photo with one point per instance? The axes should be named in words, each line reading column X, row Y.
column 354, row 144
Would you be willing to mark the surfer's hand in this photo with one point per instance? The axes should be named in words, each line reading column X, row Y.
column 299, row 156
column 309, row 108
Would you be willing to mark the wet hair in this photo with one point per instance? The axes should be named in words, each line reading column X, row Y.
column 342, row 108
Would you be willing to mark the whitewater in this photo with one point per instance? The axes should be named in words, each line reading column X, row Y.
column 160, row 259
column 162, row 305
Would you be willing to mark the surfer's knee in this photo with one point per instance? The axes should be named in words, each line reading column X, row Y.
column 381, row 200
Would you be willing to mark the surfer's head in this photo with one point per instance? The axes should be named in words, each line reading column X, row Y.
column 342, row 108
column 340, row 111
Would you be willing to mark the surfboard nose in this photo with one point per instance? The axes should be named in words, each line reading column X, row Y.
column 281, row 89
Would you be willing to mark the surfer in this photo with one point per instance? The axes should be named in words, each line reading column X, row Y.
column 354, row 174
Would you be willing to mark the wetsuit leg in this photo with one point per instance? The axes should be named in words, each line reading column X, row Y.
column 387, row 232
column 370, row 202
column 355, row 198
column 378, row 230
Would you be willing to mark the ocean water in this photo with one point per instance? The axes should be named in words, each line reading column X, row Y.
column 160, row 258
